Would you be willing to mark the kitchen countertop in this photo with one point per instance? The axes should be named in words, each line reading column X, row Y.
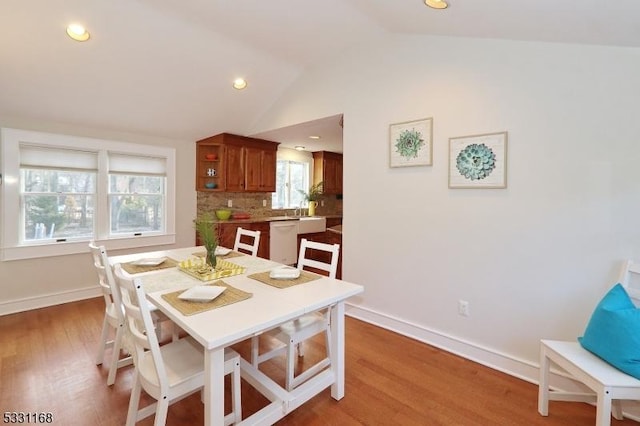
column 273, row 219
column 336, row 229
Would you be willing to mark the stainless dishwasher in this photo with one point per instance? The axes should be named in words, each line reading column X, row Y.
column 283, row 241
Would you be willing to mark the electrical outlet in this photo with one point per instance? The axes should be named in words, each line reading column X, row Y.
column 264, row 203
column 463, row 308
column 229, row 203
column 321, row 203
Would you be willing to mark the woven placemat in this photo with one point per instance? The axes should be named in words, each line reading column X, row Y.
column 229, row 296
column 132, row 268
column 226, row 256
column 304, row 277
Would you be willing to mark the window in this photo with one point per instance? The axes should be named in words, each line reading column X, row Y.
column 60, row 191
column 57, row 192
column 291, row 177
column 55, row 205
column 136, row 193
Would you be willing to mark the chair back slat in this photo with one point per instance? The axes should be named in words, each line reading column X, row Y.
column 242, row 246
column 333, row 249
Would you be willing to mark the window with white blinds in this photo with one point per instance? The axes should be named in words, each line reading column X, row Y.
column 136, row 193
column 70, row 190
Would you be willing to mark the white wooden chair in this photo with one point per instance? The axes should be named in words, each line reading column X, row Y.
column 240, row 243
column 606, row 384
column 292, row 333
column 113, row 314
column 170, row 372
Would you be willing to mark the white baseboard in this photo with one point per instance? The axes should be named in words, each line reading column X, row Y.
column 488, row 357
column 522, row 369
column 45, row 300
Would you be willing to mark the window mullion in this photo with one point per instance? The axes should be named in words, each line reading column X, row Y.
column 101, row 220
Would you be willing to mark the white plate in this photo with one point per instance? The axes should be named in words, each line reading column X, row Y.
column 222, row 251
column 284, row 273
column 202, row 293
column 150, row 261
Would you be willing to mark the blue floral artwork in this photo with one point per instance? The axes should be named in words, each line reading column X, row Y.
column 478, row 161
column 410, row 143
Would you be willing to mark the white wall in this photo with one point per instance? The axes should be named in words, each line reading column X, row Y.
column 27, row 284
column 533, row 259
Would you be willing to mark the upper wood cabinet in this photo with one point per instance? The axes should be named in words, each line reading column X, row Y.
column 246, row 164
column 260, row 169
column 235, row 168
column 327, row 167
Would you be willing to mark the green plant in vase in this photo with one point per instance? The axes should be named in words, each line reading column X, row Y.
column 312, row 197
column 206, row 229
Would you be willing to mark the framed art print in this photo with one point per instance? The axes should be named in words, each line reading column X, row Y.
column 478, row 161
column 410, row 143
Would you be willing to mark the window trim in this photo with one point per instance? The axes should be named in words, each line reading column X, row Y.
column 10, row 246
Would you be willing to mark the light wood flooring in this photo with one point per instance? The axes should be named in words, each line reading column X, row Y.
column 47, row 364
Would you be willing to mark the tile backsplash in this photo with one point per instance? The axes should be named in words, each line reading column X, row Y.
column 252, row 203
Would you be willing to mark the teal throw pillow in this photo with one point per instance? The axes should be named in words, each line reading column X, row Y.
column 613, row 332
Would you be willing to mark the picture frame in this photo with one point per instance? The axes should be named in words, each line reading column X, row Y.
column 411, row 143
column 478, row 161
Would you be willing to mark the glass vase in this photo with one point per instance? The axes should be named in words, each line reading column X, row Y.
column 211, row 258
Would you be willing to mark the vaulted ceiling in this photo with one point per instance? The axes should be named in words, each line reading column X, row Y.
column 165, row 67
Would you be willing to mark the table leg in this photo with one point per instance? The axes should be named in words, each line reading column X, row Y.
column 214, row 387
column 337, row 349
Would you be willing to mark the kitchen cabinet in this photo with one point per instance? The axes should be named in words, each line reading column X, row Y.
column 209, row 172
column 245, row 164
column 327, row 168
column 260, row 170
column 263, row 227
column 235, row 170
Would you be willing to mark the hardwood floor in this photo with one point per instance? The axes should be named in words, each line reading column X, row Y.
column 47, row 364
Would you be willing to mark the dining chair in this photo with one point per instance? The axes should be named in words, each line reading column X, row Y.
column 241, row 244
column 605, row 385
column 292, row 333
column 113, row 314
column 170, row 372
column 114, row 317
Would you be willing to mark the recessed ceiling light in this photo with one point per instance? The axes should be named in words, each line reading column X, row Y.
column 299, row 147
column 239, row 83
column 314, row 137
column 436, row 4
column 77, row 32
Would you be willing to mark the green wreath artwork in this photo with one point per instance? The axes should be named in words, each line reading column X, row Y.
column 476, row 161
column 409, row 143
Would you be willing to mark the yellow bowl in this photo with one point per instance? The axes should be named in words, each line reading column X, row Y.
column 223, row 214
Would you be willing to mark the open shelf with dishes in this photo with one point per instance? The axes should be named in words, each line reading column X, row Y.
column 209, row 167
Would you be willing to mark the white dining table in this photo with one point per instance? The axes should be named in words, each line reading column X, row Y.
column 269, row 307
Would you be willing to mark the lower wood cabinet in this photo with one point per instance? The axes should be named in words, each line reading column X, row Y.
column 227, row 235
column 263, row 227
